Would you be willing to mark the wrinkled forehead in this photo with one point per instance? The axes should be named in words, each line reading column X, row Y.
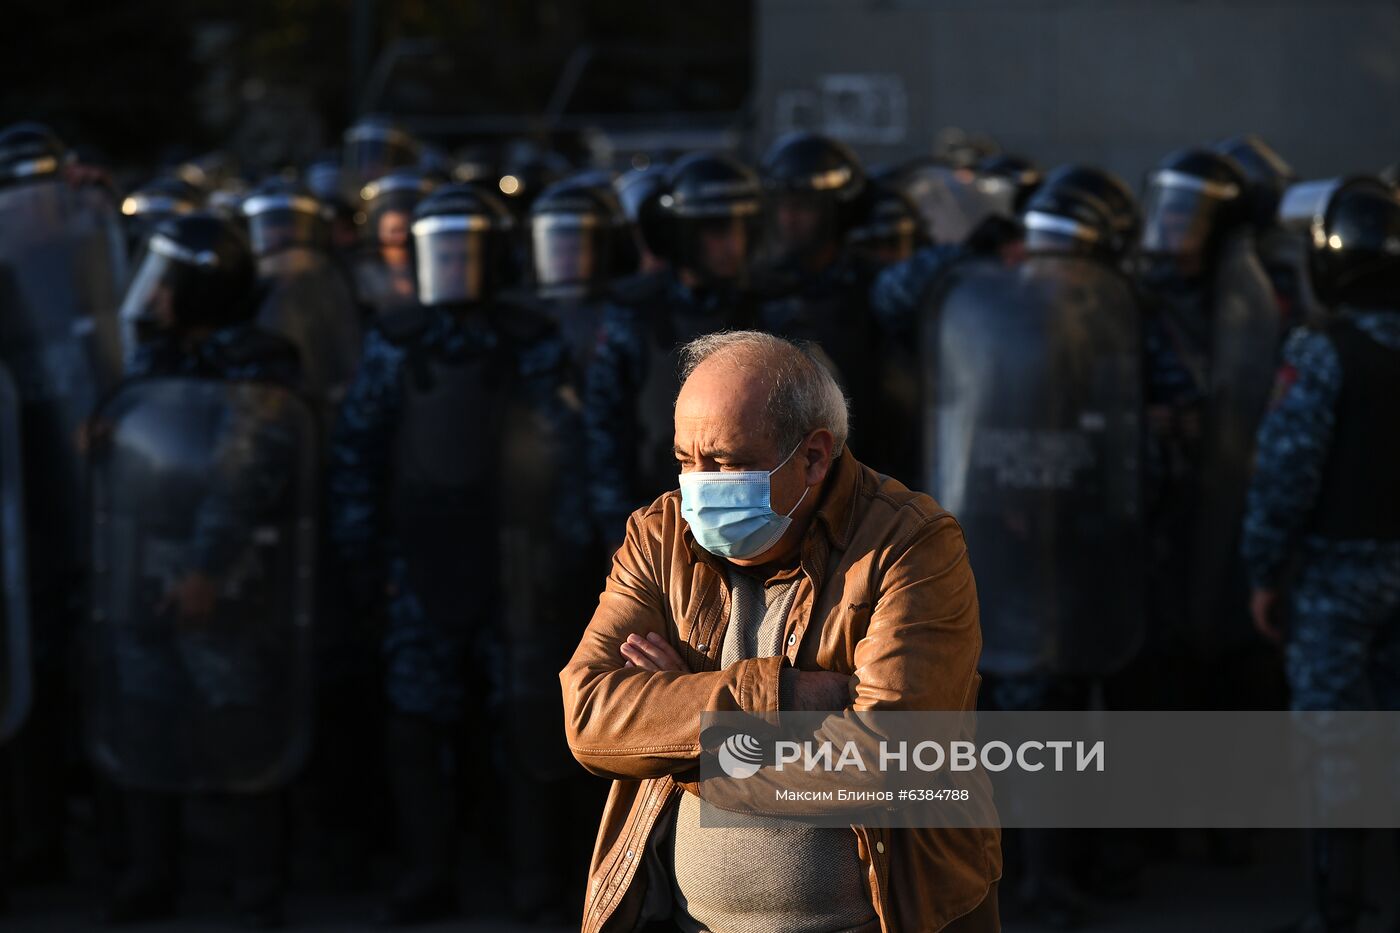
column 723, row 406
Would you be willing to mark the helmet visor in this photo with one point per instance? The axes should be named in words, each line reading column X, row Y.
column 452, row 256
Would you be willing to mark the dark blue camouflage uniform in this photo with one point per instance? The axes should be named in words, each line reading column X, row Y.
column 243, row 352
column 621, row 379
column 1344, row 646
column 900, row 294
column 425, row 657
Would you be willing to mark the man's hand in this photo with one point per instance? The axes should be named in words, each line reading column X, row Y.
column 821, row 691
column 1262, row 606
column 652, row 653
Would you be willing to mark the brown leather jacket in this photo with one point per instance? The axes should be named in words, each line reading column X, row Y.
column 885, row 594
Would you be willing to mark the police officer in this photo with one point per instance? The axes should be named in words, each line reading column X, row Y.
column 372, row 147
column 891, row 230
column 1211, row 339
column 577, row 235
column 1267, row 177
column 62, row 265
column 325, row 180
column 384, row 276
column 817, row 289
column 1073, row 274
column 710, row 211
column 192, row 305
column 1084, row 208
column 415, row 485
column 900, row 301
column 639, row 191
column 1324, row 508
column 304, row 297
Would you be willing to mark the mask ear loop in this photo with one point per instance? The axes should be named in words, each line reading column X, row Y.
column 805, row 490
column 799, row 502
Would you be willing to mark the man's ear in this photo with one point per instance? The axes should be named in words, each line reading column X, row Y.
column 816, row 453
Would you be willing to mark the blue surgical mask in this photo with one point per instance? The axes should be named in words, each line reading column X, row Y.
column 731, row 514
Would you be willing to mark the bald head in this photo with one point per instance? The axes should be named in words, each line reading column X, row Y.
column 788, row 390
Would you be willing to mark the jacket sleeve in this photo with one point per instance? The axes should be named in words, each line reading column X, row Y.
column 921, row 649
column 919, row 652
column 1293, row 441
column 627, row 723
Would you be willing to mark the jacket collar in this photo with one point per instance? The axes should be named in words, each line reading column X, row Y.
column 837, row 513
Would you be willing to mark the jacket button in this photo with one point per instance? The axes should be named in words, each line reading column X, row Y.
column 701, row 647
column 629, row 853
column 879, row 847
column 792, row 639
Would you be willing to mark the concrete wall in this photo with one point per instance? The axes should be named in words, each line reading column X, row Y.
column 1115, row 83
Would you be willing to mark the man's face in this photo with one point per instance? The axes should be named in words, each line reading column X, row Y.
column 724, row 247
column 801, row 224
column 393, row 230
column 721, row 426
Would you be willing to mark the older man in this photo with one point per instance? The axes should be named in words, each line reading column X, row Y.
column 784, row 575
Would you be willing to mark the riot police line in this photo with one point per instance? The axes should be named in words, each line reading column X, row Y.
column 361, row 437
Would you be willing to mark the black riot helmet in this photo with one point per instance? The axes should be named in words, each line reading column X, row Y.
column 29, row 151
column 282, row 215
column 372, row 148
column 639, row 192
column 395, row 196
column 816, row 188
column 161, row 199
column 711, row 210
column 154, row 203
column 461, row 236
column 1266, row 173
column 1081, row 208
column 1352, row 230
column 325, row 180
column 1020, row 175
column 576, row 232
column 1194, row 198
column 197, row 272
column 892, row 227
